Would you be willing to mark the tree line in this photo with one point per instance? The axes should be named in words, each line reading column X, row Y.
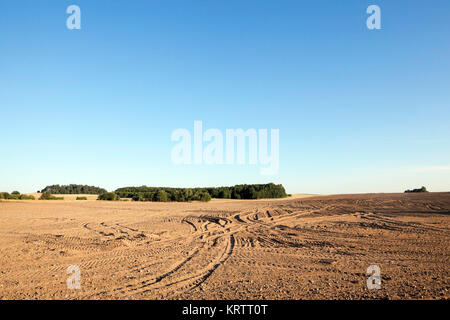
column 73, row 189
column 15, row 195
column 161, row 194
column 423, row 189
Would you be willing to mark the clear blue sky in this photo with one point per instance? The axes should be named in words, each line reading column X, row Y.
column 357, row 110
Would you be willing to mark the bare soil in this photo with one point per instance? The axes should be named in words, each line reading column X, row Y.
column 301, row 248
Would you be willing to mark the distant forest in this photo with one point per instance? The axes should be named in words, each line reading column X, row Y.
column 244, row 191
column 162, row 194
column 73, row 189
column 423, row 189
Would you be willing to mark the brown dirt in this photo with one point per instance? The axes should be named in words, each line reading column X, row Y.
column 302, row 248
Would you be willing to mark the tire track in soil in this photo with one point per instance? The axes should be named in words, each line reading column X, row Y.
column 163, row 283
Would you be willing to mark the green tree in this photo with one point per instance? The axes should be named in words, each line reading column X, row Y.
column 5, row 195
column 49, row 196
column 73, row 189
column 161, row 196
column 204, row 196
column 108, row 196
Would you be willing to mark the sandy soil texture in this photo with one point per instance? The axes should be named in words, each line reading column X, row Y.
column 302, row 248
